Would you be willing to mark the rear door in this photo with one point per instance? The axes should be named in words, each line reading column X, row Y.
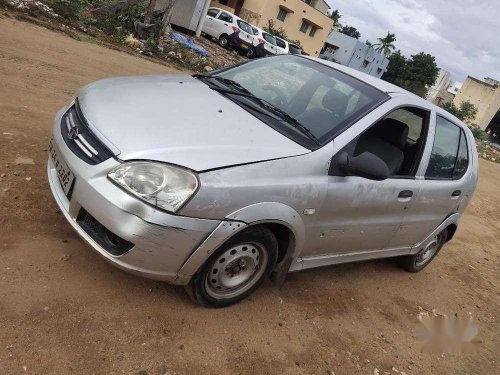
column 223, row 24
column 209, row 25
column 443, row 182
column 246, row 33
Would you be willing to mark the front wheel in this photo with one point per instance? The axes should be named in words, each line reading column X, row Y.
column 236, row 269
column 418, row 261
column 223, row 40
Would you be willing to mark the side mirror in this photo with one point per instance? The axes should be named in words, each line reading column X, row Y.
column 365, row 165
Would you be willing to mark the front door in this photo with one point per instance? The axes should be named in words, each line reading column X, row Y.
column 360, row 214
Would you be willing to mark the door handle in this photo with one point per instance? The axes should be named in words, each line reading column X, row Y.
column 456, row 193
column 405, row 194
column 210, row 18
column 225, row 24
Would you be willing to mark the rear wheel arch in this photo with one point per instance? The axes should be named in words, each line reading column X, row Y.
column 451, row 229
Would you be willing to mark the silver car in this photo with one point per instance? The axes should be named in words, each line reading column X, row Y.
column 218, row 182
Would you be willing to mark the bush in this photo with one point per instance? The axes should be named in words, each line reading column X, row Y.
column 68, row 9
column 122, row 20
column 478, row 133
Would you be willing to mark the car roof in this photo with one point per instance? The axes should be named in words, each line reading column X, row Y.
column 388, row 88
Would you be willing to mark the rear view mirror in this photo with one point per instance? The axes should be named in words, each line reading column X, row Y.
column 365, row 165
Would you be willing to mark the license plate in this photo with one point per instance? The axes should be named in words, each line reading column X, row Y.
column 244, row 46
column 65, row 176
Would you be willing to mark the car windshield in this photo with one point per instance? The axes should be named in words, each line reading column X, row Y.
column 320, row 98
column 294, row 50
column 269, row 38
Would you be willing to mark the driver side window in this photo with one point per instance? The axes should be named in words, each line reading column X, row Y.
column 398, row 140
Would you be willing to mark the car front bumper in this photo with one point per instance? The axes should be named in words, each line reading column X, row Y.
column 162, row 242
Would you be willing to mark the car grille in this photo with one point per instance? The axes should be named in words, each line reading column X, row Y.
column 80, row 140
column 104, row 237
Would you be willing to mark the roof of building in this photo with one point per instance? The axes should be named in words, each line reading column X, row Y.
column 482, row 82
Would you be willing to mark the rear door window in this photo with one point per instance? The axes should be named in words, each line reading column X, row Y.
column 212, row 12
column 449, row 157
column 225, row 17
column 280, row 43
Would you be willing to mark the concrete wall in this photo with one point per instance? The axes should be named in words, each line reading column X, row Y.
column 438, row 93
column 351, row 52
column 258, row 12
column 484, row 95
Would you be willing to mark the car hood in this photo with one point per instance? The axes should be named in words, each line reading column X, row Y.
column 178, row 119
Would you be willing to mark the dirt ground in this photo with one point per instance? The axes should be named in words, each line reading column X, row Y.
column 64, row 310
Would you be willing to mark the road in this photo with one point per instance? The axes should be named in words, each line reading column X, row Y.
column 65, row 310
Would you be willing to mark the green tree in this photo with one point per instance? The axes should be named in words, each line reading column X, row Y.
column 335, row 16
column 386, row 44
column 396, row 69
column 350, row 30
column 368, row 43
column 412, row 74
column 466, row 111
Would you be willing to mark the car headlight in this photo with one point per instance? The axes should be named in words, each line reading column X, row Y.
column 161, row 185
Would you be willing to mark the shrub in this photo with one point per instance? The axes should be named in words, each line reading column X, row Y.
column 68, row 9
column 477, row 132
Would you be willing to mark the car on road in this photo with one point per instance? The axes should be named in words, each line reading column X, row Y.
column 229, row 30
column 218, row 182
column 284, row 47
column 264, row 43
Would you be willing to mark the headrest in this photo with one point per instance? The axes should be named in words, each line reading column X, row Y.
column 336, row 102
column 393, row 131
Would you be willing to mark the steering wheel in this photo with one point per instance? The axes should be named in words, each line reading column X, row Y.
column 279, row 98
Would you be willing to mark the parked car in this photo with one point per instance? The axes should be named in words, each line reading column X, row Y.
column 229, row 30
column 264, row 43
column 276, row 165
column 284, row 47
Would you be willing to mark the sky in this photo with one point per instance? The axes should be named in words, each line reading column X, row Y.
column 463, row 35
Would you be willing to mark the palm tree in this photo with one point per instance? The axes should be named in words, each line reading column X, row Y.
column 386, row 44
column 369, row 44
column 335, row 16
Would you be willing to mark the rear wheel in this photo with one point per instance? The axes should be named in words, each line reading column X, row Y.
column 223, row 40
column 236, row 269
column 418, row 261
column 250, row 53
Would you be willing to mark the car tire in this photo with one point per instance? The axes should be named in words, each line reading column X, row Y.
column 223, row 40
column 236, row 269
column 250, row 53
column 417, row 262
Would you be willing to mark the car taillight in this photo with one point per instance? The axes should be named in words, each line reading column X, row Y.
column 235, row 29
column 261, row 41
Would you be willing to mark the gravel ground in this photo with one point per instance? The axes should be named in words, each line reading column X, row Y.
column 64, row 310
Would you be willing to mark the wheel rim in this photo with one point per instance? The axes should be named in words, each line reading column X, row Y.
column 426, row 254
column 223, row 41
column 250, row 53
column 236, row 270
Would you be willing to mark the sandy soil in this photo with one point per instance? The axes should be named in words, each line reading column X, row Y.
column 64, row 310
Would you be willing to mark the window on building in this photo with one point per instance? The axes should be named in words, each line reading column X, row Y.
column 313, row 31
column 379, row 71
column 304, row 27
column 282, row 14
column 449, row 156
column 310, row 2
column 365, row 63
column 223, row 2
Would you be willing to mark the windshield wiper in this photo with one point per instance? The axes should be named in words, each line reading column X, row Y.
column 264, row 103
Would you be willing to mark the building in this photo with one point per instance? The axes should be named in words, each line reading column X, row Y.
column 438, row 92
column 349, row 51
column 188, row 14
column 303, row 20
column 485, row 95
